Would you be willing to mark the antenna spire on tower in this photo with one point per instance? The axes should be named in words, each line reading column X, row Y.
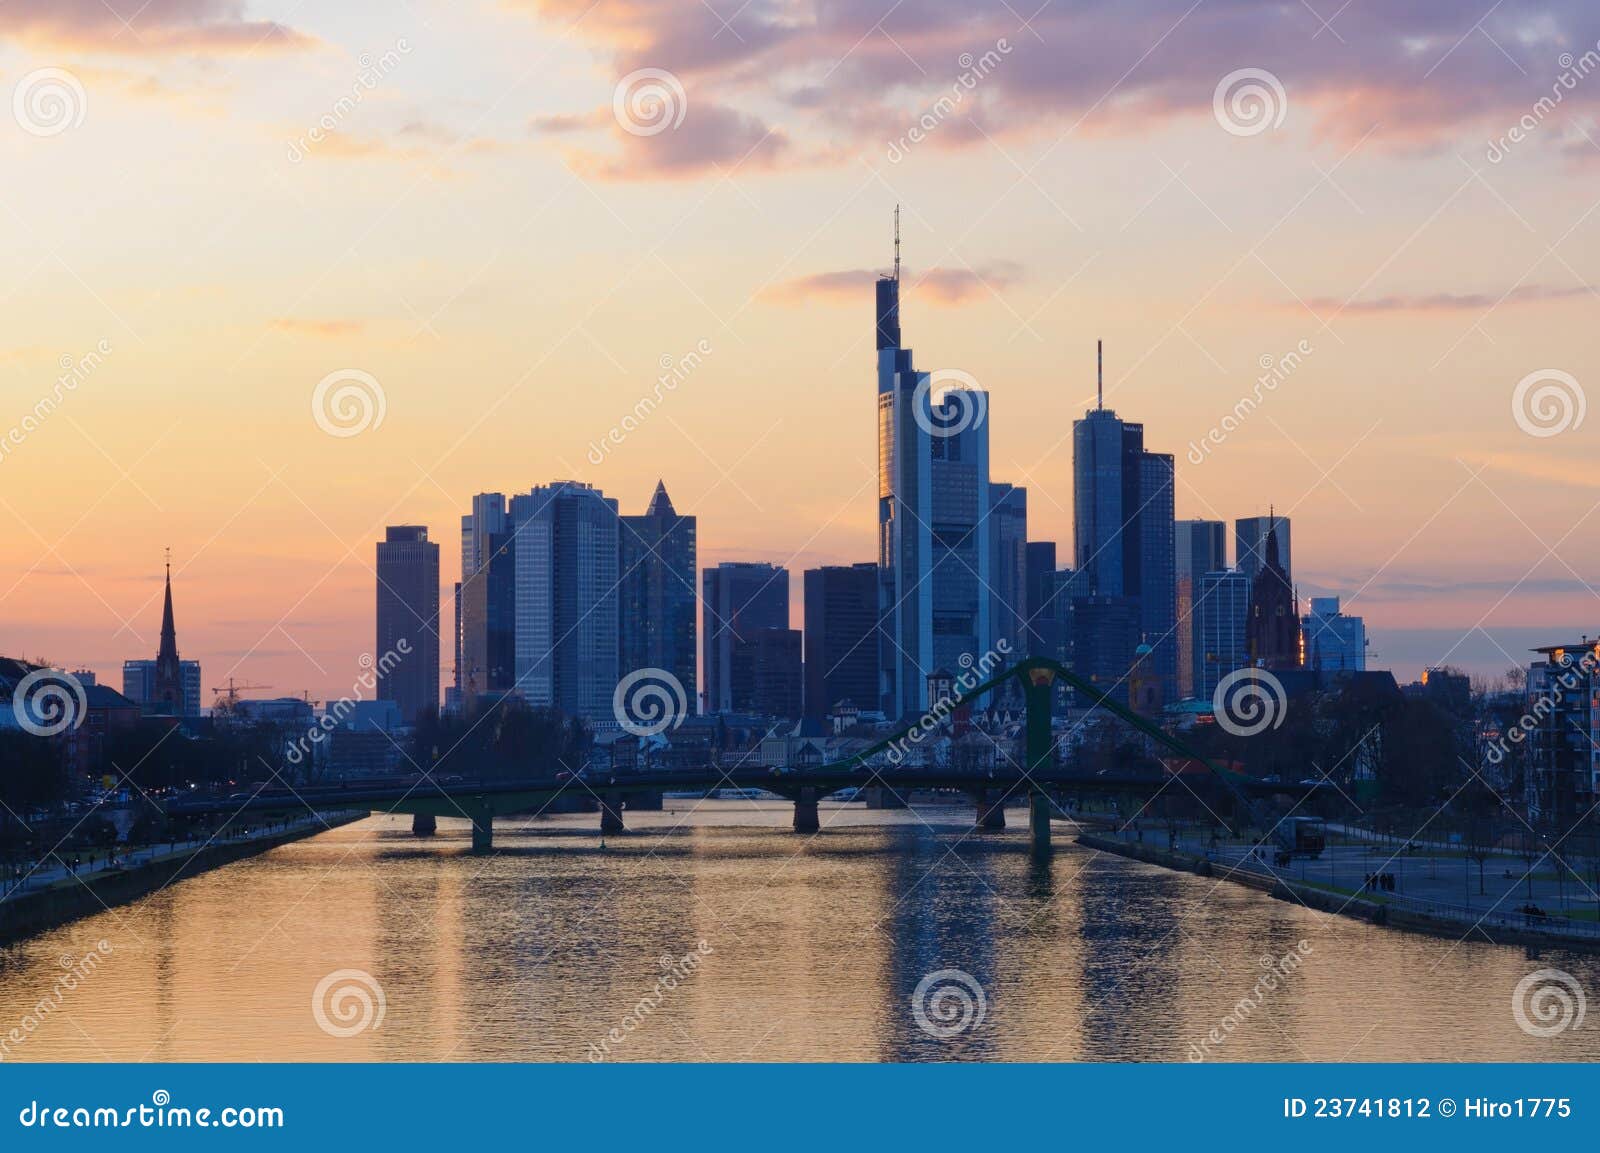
column 1099, row 375
column 897, row 243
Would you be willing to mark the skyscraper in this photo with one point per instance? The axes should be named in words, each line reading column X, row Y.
column 934, row 546
column 1041, row 639
column 1199, row 547
column 658, row 607
column 488, row 516
column 1332, row 639
column 488, row 623
column 408, row 609
column 841, row 643
column 740, row 599
column 769, row 662
column 1250, row 544
column 1008, row 572
column 1122, row 530
column 1222, row 606
column 167, row 685
column 565, row 538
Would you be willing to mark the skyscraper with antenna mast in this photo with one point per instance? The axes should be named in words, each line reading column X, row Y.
column 935, row 550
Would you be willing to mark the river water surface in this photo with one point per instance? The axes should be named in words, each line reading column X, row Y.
column 797, row 948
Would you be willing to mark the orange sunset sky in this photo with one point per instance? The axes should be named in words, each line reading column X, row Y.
column 215, row 205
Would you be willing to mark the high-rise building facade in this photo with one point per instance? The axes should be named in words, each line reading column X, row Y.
column 1122, row 531
column 408, row 609
column 488, row 623
column 1223, row 608
column 1199, row 547
column 841, row 642
column 739, row 599
column 1008, row 573
column 1040, row 637
column 1250, row 544
column 934, row 545
column 565, row 536
column 1333, row 640
column 657, row 559
column 769, row 662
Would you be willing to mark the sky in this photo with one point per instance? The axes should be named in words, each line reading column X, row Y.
column 309, row 270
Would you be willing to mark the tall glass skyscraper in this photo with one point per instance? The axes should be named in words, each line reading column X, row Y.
column 1224, row 612
column 1200, row 547
column 408, row 610
column 657, row 625
column 742, row 600
column 935, row 552
column 565, row 538
column 1122, row 531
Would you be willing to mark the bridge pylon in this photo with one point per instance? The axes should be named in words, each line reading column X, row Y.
column 805, row 811
column 611, row 813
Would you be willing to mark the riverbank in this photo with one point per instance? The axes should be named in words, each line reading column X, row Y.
column 26, row 912
column 1392, row 911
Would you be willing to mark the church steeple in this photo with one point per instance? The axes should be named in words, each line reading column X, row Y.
column 169, row 674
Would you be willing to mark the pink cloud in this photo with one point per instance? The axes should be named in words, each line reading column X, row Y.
column 160, row 27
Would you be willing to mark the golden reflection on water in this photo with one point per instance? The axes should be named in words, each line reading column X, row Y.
column 812, row 951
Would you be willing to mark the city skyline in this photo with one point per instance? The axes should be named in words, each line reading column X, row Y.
column 1385, row 237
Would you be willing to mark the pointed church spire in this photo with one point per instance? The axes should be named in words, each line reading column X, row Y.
column 169, row 674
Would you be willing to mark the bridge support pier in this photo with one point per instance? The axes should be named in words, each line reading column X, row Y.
column 1039, row 821
column 991, row 811
column 483, row 831
column 611, row 814
column 424, row 825
column 805, row 811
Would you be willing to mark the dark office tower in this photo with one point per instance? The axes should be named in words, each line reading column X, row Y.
column 1250, row 544
column 1105, row 641
column 1008, row 571
column 489, row 623
column 767, row 675
column 841, row 644
column 934, row 550
column 1274, row 616
column 408, row 610
column 1122, row 529
column 740, row 599
column 657, row 571
column 1041, row 636
column 1199, row 547
column 565, row 537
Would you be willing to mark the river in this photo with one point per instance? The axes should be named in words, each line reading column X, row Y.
column 722, row 936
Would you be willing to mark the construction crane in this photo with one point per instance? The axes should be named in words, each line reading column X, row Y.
column 228, row 697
